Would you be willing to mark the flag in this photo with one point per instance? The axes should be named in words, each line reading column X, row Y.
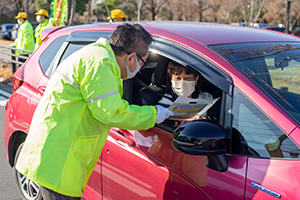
column 59, row 12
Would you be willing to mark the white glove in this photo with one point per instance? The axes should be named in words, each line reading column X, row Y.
column 162, row 114
column 12, row 45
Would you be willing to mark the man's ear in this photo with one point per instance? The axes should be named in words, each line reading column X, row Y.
column 131, row 56
column 131, row 60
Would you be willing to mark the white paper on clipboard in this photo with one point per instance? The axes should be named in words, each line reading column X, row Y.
column 188, row 109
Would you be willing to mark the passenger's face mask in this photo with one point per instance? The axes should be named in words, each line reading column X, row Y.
column 38, row 18
column 137, row 69
column 19, row 21
column 183, row 88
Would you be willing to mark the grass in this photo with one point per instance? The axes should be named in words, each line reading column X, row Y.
column 6, row 74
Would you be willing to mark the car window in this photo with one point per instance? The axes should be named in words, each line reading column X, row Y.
column 150, row 85
column 48, row 55
column 254, row 133
column 274, row 67
column 72, row 47
column 71, row 43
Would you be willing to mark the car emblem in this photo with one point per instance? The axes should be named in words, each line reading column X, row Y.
column 274, row 194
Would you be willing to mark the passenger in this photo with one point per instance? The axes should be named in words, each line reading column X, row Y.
column 42, row 18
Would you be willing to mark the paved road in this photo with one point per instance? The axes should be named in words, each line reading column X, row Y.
column 8, row 187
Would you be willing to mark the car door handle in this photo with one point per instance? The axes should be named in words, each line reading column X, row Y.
column 123, row 136
column 41, row 90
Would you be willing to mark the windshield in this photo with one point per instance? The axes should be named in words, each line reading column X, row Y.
column 275, row 67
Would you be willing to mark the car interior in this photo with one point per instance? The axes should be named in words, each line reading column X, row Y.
column 149, row 85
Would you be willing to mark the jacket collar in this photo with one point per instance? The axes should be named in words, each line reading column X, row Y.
column 104, row 42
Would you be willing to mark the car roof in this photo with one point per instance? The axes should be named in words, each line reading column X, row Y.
column 204, row 33
column 215, row 33
column 3, row 25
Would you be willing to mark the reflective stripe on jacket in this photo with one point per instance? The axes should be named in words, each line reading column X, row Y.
column 38, row 31
column 25, row 38
column 69, row 128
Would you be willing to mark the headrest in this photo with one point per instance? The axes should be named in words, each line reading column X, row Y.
column 160, row 73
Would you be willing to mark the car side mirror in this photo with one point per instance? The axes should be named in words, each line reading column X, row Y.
column 203, row 137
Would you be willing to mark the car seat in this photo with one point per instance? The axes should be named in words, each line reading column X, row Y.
column 151, row 94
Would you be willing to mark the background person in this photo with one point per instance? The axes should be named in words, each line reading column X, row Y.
column 25, row 38
column 82, row 101
column 117, row 15
column 42, row 17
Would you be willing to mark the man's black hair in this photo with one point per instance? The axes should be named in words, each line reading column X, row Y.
column 129, row 38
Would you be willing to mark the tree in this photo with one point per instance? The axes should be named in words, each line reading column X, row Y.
column 154, row 7
column 42, row 4
column 251, row 10
column 202, row 6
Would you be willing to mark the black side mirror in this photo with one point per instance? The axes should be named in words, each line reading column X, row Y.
column 203, row 137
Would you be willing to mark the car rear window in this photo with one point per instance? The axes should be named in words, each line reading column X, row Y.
column 48, row 55
column 72, row 48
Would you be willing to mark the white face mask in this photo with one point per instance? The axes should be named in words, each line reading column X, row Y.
column 183, row 88
column 137, row 69
column 38, row 18
column 19, row 21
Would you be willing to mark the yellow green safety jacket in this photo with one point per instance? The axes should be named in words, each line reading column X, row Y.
column 38, row 31
column 25, row 38
column 69, row 128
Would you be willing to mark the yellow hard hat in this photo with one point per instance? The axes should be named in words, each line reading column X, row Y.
column 21, row 15
column 116, row 13
column 42, row 12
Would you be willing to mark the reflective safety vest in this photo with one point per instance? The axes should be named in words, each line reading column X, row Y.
column 25, row 38
column 71, row 123
column 38, row 31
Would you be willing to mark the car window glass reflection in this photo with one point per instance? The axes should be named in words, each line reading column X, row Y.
column 259, row 134
column 272, row 66
column 72, row 48
column 47, row 56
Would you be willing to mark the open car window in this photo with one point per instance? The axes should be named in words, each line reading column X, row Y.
column 149, row 86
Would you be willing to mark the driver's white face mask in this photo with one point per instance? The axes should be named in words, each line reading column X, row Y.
column 183, row 88
column 137, row 69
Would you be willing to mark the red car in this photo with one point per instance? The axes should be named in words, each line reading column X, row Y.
column 249, row 151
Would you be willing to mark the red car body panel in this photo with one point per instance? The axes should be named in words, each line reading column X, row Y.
column 149, row 167
column 275, row 175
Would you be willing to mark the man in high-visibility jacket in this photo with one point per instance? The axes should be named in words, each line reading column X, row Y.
column 25, row 38
column 117, row 15
column 42, row 17
column 82, row 101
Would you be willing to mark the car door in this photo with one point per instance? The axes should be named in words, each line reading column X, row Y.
column 127, row 171
column 145, row 165
column 273, row 170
